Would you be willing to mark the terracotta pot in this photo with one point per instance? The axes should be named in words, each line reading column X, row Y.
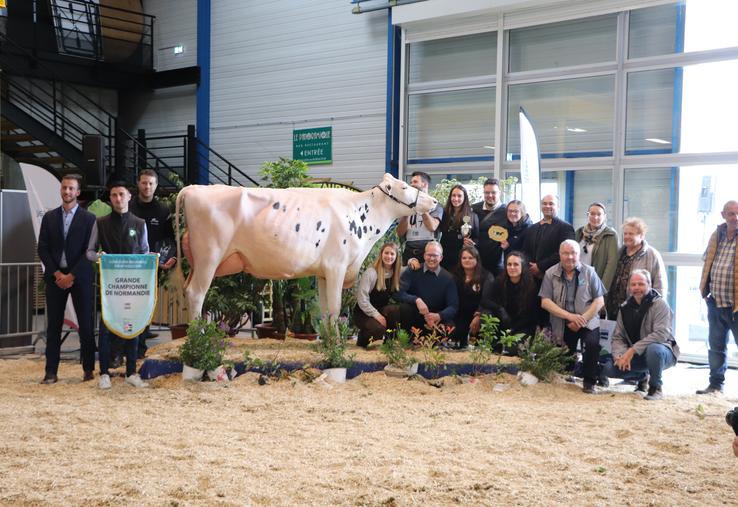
column 265, row 331
column 304, row 336
column 178, row 331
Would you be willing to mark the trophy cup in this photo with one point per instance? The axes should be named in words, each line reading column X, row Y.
column 466, row 228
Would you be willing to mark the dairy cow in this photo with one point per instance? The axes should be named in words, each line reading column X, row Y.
column 287, row 233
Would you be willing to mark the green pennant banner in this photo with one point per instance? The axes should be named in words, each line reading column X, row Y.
column 128, row 292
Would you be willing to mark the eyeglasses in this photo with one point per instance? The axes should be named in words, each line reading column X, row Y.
column 431, row 255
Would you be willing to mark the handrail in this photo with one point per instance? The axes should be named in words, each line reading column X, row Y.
column 159, row 163
column 231, row 167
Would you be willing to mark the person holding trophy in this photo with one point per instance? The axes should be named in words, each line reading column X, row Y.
column 459, row 226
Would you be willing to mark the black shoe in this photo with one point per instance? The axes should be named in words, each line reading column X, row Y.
column 588, row 388
column 711, row 389
column 89, row 375
column 603, row 381
column 654, row 393
column 642, row 385
column 50, row 378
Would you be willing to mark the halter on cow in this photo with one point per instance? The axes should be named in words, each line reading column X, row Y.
column 288, row 233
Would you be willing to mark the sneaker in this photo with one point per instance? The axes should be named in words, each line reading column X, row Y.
column 50, row 378
column 654, row 393
column 135, row 381
column 588, row 388
column 603, row 381
column 642, row 386
column 711, row 389
column 105, row 382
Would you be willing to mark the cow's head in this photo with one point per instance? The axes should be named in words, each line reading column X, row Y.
column 413, row 199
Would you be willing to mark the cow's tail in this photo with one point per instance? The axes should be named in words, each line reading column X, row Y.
column 179, row 278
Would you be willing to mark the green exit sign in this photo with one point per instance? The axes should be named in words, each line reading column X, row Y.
column 313, row 146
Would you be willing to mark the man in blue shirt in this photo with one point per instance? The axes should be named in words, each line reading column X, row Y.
column 428, row 295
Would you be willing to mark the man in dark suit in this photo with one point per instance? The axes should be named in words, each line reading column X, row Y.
column 491, row 212
column 62, row 245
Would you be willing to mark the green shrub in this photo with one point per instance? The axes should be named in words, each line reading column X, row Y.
column 543, row 358
column 334, row 334
column 205, row 345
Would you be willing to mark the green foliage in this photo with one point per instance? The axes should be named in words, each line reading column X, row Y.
column 543, row 358
column 205, row 345
column 491, row 338
column 334, row 335
column 395, row 349
column 269, row 367
column 303, row 305
column 231, row 298
column 429, row 346
column 284, row 173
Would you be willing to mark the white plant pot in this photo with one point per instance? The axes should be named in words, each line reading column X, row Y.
column 191, row 374
column 335, row 375
column 219, row 374
column 393, row 371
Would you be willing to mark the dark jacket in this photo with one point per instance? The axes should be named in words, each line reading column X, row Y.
column 452, row 241
column 122, row 234
column 51, row 243
column 437, row 291
column 516, row 310
column 516, row 234
column 542, row 242
column 655, row 326
column 158, row 226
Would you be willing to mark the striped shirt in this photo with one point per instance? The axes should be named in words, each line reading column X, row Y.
column 721, row 273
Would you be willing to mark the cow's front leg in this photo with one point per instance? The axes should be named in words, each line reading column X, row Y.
column 333, row 287
column 322, row 296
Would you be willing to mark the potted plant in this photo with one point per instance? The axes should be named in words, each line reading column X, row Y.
column 304, row 309
column 231, row 299
column 334, row 334
column 203, row 349
column 395, row 349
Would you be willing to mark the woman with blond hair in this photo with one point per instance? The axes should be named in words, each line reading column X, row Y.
column 635, row 253
column 373, row 314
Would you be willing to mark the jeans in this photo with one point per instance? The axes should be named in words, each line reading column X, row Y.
column 130, row 347
column 720, row 320
column 657, row 358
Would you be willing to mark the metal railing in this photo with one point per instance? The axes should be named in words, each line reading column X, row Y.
column 187, row 154
column 20, row 315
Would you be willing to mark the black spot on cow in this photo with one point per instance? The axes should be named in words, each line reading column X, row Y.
column 317, row 226
column 317, row 243
column 358, row 233
column 284, row 209
column 344, row 241
column 352, row 226
column 366, row 207
column 297, row 228
column 365, row 228
column 275, row 205
column 362, row 217
column 322, row 230
column 378, row 231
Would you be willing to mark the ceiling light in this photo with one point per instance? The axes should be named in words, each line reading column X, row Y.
column 576, row 130
column 178, row 50
column 657, row 140
column 489, row 147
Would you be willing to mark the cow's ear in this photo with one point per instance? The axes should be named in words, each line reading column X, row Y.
column 388, row 187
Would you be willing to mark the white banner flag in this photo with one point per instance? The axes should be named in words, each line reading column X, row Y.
column 530, row 168
column 43, row 195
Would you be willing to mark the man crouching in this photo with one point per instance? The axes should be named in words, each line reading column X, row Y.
column 643, row 344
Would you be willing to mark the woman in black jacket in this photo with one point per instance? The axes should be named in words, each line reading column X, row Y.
column 513, row 297
column 471, row 280
column 454, row 232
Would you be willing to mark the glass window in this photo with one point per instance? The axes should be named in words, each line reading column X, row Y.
column 694, row 25
column 575, row 42
column 572, row 117
column 651, row 194
column 453, row 58
column 451, row 124
column 653, row 31
column 576, row 191
column 682, row 110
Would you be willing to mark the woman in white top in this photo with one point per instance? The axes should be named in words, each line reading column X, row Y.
column 373, row 314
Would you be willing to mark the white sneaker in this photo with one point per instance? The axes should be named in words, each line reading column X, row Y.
column 105, row 382
column 135, row 381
